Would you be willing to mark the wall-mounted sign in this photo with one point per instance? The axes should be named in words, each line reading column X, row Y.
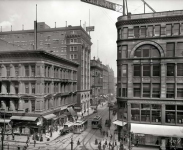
column 91, row 28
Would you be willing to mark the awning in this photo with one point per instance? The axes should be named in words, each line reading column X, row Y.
column 25, row 118
column 63, row 107
column 50, row 116
column 119, row 123
column 5, row 120
column 71, row 110
column 157, row 130
column 78, row 108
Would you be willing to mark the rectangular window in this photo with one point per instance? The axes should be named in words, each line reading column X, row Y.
column 16, row 71
column 119, row 33
column 8, row 71
column 176, row 29
column 157, row 30
column 124, row 51
column 119, row 92
column 163, row 30
column 179, row 52
column 170, row 69
column 145, row 112
column 143, row 32
column 150, row 31
column 137, row 53
column 170, row 90
column 124, row 90
column 119, row 52
column 137, row 70
column 135, row 112
column 146, row 90
column 182, row 28
column 38, row 71
column 71, row 48
column 156, row 113
column 136, row 32
column 170, row 114
column 75, row 40
column 33, row 88
column 156, row 70
column 168, row 29
column 124, row 70
column 180, row 69
column 33, row 71
column 27, row 88
column 180, row 90
column 156, row 90
column 125, row 33
column 75, row 48
column 27, row 71
column 146, row 70
column 137, row 90
column 16, row 88
column 119, row 72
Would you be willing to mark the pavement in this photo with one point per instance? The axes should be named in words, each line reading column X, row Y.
column 23, row 139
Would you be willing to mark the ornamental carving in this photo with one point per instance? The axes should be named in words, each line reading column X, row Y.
column 154, row 102
column 146, row 79
column 180, row 80
column 136, row 79
column 170, row 79
column 155, row 79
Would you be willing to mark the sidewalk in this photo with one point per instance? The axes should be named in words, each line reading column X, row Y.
column 55, row 135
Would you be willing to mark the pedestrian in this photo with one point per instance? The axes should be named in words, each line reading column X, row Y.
column 115, row 143
column 104, row 147
column 137, row 142
column 111, row 136
column 106, row 142
column 107, row 133
column 104, row 133
column 34, row 143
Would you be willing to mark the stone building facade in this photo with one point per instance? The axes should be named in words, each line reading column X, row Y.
column 150, row 77
column 36, row 88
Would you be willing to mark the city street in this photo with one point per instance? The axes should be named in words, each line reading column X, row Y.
column 86, row 138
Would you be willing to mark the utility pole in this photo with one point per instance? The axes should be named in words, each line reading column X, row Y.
column 109, row 118
column 72, row 143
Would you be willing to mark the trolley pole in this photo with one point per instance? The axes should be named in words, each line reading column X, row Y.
column 109, row 117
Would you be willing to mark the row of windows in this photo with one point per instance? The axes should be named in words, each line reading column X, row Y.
column 73, row 48
column 153, row 113
column 152, row 90
column 150, row 70
column 73, row 56
column 149, row 51
column 150, row 31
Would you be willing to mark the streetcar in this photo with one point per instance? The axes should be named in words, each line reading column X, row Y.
column 96, row 122
column 68, row 127
column 80, row 126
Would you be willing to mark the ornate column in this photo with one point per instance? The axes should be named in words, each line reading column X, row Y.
column 163, row 80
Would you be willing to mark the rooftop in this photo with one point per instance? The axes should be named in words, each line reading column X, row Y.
column 151, row 15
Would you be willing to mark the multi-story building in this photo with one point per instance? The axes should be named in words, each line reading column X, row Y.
column 111, row 84
column 96, row 82
column 72, row 43
column 36, row 89
column 105, row 81
column 150, row 76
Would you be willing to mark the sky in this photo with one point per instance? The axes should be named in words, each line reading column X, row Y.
column 104, row 47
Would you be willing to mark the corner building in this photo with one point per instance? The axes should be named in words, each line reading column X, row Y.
column 70, row 42
column 150, row 77
column 36, row 89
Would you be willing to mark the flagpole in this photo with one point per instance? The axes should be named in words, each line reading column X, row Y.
column 89, row 22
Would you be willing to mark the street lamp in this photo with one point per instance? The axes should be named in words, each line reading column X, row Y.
column 2, row 131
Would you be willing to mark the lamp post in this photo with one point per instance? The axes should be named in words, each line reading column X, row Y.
column 2, row 132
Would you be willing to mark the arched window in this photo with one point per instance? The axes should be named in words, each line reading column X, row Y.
column 148, row 51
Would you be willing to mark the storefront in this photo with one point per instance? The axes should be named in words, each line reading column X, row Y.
column 48, row 122
column 25, row 125
column 155, row 135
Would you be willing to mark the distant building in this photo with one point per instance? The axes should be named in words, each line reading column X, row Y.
column 150, row 77
column 111, row 84
column 105, row 81
column 37, row 90
column 71, row 42
column 96, row 81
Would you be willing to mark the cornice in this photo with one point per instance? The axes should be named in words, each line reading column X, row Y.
column 149, row 20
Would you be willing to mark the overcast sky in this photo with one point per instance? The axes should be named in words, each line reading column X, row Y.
column 22, row 12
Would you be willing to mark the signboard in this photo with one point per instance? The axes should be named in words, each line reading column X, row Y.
column 105, row 4
column 91, row 28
